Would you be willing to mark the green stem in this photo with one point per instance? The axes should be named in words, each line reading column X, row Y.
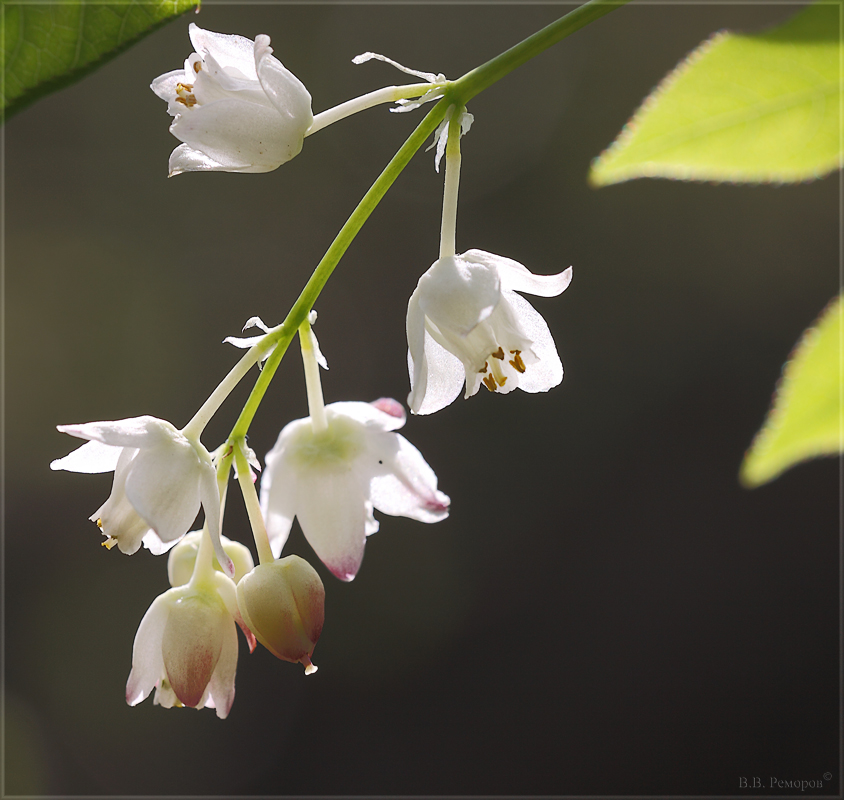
column 480, row 78
column 253, row 507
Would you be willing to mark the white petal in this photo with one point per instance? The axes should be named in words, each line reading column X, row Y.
column 185, row 159
column 417, row 365
column 547, row 372
column 163, row 485
column 147, row 662
column 427, row 76
column 133, row 432
column 234, row 133
column 284, row 90
column 153, row 543
column 117, row 517
column 371, row 414
column 439, row 380
column 221, row 686
column 408, row 487
column 229, row 50
column 518, row 278
column 335, row 514
column 278, row 495
column 456, row 294
column 165, row 85
column 90, row 457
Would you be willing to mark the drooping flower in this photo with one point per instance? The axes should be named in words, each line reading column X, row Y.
column 332, row 480
column 236, row 107
column 160, row 479
column 283, row 603
column 465, row 323
column 186, row 649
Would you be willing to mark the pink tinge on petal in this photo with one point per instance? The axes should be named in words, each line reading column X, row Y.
column 389, row 406
column 250, row 637
column 189, row 679
column 437, row 503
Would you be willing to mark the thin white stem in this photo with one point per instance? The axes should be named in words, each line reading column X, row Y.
column 448, row 231
column 316, row 404
column 203, row 567
column 194, row 428
column 389, row 94
column 253, row 507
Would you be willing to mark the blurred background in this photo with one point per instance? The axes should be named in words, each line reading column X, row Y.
column 605, row 611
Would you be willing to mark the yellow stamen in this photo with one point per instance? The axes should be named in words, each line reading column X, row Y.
column 489, row 382
column 481, row 371
column 499, row 354
column 517, row 362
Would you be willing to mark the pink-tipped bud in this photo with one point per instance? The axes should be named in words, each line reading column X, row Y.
column 283, row 604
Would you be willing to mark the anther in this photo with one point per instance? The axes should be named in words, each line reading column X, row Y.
column 517, row 362
column 197, row 65
column 489, row 382
column 481, row 371
column 499, row 354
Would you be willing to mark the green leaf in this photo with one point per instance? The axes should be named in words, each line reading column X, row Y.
column 47, row 47
column 755, row 109
column 806, row 417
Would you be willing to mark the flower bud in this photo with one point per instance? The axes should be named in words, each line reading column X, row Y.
column 183, row 556
column 283, row 603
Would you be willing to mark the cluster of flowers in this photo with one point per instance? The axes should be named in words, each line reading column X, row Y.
column 237, row 109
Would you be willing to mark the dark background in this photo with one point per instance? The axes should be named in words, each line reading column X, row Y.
column 606, row 610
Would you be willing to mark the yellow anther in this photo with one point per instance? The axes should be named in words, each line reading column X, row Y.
column 499, row 354
column 502, row 380
column 489, row 382
column 100, row 524
column 517, row 362
column 481, row 371
column 109, row 543
column 184, row 87
column 197, row 65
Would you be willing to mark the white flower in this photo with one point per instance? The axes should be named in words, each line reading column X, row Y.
column 466, row 322
column 160, row 479
column 332, row 480
column 236, row 107
column 186, row 648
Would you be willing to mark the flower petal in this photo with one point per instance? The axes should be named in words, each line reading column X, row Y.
column 117, row 517
column 147, row 663
column 191, row 645
column 456, row 294
column 443, row 377
column 163, row 485
column 221, row 685
column 518, row 278
column 409, row 486
column 284, row 90
column 335, row 516
column 143, row 431
column 370, row 414
column 185, row 159
column 90, row 457
column 235, row 132
column 228, row 50
column 278, row 496
column 547, row 372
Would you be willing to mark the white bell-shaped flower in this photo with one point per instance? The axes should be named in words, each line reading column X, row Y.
column 332, row 479
column 186, row 649
column 236, row 107
column 465, row 323
column 161, row 477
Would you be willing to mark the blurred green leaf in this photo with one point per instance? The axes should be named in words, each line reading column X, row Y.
column 806, row 416
column 761, row 108
column 47, row 47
